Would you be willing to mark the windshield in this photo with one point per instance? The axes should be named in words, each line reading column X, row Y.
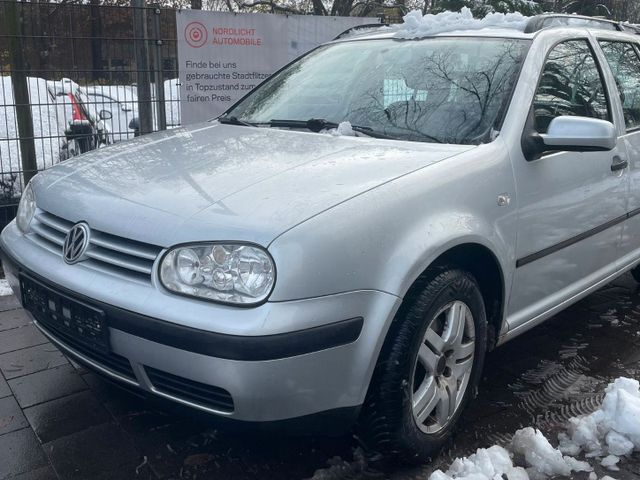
column 448, row 90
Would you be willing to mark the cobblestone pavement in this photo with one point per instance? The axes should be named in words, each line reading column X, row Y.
column 59, row 421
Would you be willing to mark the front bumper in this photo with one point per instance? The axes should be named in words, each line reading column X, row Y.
column 278, row 361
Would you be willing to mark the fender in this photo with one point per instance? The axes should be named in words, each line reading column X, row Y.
column 384, row 239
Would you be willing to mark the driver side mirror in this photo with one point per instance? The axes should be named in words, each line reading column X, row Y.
column 105, row 115
column 580, row 134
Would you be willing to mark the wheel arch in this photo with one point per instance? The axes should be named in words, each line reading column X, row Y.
column 477, row 260
column 481, row 262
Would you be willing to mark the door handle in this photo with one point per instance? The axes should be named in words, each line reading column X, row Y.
column 618, row 164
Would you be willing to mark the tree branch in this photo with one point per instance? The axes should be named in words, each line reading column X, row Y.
column 270, row 3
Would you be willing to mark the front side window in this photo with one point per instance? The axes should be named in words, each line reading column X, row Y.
column 625, row 65
column 445, row 90
column 571, row 85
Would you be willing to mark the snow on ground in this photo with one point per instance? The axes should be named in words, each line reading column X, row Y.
column 608, row 433
column 490, row 463
column 172, row 102
column 5, row 289
column 417, row 25
column 542, row 459
column 48, row 128
column 610, row 462
column 613, row 429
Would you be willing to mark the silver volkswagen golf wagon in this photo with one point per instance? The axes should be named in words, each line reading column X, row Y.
column 262, row 269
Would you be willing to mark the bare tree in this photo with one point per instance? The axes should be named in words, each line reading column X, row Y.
column 624, row 10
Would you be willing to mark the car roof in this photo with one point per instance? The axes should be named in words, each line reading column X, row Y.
column 528, row 30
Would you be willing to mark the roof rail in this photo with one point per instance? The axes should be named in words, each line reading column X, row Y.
column 557, row 19
column 360, row 27
column 628, row 27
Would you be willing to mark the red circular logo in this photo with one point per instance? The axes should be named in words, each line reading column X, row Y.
column 196, row 34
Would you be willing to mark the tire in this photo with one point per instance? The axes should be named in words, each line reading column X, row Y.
column 389, row 424
column 69, row 150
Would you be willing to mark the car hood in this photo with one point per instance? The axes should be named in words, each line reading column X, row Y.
column 223, row 182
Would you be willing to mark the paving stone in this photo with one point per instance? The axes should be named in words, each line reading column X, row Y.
column 18, row 338
column 118, row 399
column 5, row 391
column 11, row 417
column 163, row 438
column 20, row 452
column 46, row 385
column 67, row 415
column 14, row 319
column 43, row 473
column 9, row 302
column 30, row 360
column 81, row 369
column 99, row 452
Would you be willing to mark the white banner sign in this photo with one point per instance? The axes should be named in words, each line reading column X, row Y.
column 222, row 56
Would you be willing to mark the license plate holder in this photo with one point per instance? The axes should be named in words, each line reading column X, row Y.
column 65, row 317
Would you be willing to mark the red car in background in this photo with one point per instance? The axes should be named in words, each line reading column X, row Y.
column 86, row 128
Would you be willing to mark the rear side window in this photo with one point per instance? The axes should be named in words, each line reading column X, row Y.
column 571, row 84
column 625, row 65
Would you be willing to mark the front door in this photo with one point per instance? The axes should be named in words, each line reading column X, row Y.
column 570, row 203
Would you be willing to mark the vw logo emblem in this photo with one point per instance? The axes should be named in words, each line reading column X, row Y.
column 76, row 243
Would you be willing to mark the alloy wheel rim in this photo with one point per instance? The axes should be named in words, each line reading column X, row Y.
column 443, row 367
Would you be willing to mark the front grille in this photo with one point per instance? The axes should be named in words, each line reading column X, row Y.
column 209, row 396
column 106, row 252
column 110, row 361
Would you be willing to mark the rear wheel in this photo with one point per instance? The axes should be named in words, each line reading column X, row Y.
column 69, row 150
column 429, row 367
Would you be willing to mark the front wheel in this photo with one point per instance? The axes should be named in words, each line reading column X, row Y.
column 429, row 367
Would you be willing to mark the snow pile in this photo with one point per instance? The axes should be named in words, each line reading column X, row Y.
column 48, row 128
column 485, row 464
column 172, row 102
column 63, row 86
column 613, row 429
column 610, row 462
column 608, row 433
column 5, row 289
column 344, row 130
column 530, row 447
column 542, row 459
column 339, row 468
column 416, row 25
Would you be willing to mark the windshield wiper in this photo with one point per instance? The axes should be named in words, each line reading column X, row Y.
column 319, row 124
column 234, row 121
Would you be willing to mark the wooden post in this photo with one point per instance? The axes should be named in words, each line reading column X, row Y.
column 142, row 66
column 21, row 91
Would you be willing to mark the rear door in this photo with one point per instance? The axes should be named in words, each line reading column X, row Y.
column 623, row 59
column 570, row 204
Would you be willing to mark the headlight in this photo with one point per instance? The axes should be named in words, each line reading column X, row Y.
column 26, row 209
column 228, row 273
